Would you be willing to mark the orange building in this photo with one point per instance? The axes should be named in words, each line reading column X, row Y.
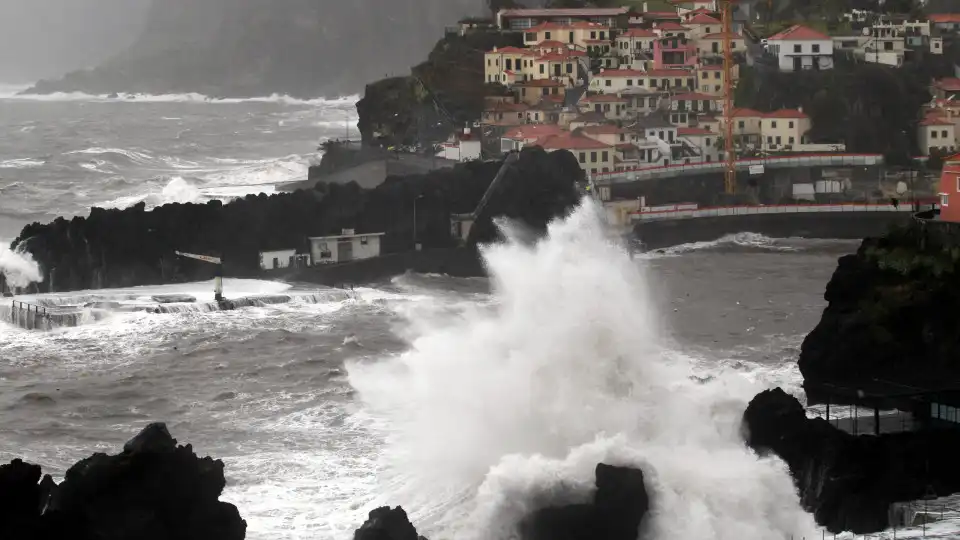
column 950, row 189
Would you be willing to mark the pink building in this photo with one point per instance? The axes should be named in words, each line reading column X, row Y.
column 674, row 52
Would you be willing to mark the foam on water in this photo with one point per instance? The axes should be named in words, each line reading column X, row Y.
column 18, row 267
column 499, row 411
column 22, row 163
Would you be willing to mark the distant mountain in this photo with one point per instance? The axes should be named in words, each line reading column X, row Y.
column 243, row 48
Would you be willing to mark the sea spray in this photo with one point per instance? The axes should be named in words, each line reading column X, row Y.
column 18, row 267
column 510, row 408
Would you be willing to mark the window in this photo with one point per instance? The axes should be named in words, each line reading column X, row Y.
column 593, row 171
column 605, row 156
column 778, row 140
column 943, row 199
column 716, row 74
column 653, row 83
column 816, row 47
column 704, row 75
column 796, row 48
column 958, row 183
column 651, row 102
column 629, row 82
column 623, row 137
column 716, row 88
column 546, row 35
column 597, row 108
column 489, row 62
column 530, row 36
column 661, row 134
column 582, row 158
column 606, row 107
column 523, row 92
column 769, row 140
column 608, row 82
column 545, row 91
column 933, row 134
column 593, row 158
column 773, row 124
column 603, row 35
column 508, row 63
column 790, row 124
column 570, row 37
column 740, row 124
column 569, row 68
column 678, row 82
column 943, row 134
column 542, row 68
column 791, row 140
column 706, row 142
column 593, row 35
column 364, row 240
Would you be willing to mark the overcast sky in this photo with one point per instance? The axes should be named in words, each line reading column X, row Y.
column 45, row 38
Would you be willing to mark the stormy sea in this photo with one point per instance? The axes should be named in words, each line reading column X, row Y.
column 467, row 401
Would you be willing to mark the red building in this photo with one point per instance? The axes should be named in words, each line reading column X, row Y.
column 950, row 189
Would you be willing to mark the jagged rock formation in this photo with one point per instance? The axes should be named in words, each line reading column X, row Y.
column 849, row 482
column 153, row 490
column 890, row 316
column 119, row 248
column 616, row 512
column 304, row 48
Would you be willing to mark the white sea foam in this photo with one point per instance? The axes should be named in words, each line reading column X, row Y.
column 18, row 267
column 22, row 163
column 13, row 93
column 742, row 239
column 494, row 413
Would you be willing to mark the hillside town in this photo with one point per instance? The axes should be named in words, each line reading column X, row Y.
column 626, row 89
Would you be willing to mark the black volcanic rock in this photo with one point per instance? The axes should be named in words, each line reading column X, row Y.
column 617, row 509
column 243, row 48
column 387, row 523
column 891, row 316
column 849, row 482
column 153, row 490
column 119, row 248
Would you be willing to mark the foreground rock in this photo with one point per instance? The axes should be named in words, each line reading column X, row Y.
column 615, row 513
column 849, row 482
column 153, row 490
column 121, row 248
column 890, row 317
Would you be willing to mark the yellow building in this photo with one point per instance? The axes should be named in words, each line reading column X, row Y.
column 507, row 65
column 784, row 129
column 746, row 127
column 532, row 91
column 557, row 66
column 576, row 35
column 592, row 155
column 612, row 106
column 712, row 44
column 936, row 131
column 710, row 80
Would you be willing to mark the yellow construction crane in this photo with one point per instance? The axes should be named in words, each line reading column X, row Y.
column 730, row 168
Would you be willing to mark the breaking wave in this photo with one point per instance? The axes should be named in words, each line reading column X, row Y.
column 508, row 408
column 23, row 163
column 742, row 239
column 13, row 92
column 18, row 267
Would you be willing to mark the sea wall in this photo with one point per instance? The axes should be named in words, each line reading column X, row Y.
column 453, row 262
column 659, row 234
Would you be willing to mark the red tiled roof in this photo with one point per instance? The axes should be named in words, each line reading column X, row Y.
column 550, row 43
column 512, row 50
column 603, row 130
column 603, row 98
column 702, row 18
column 637, row 33
column 578, row 12
column 553, row 57
column 694, row 96
column 669, row 73
column 694, row 131
column 532, row 131
column 540, row 83
column 661, row 15
column 745, row 112
column 670, row 25
column 944, row 17
column 935, row 121
column 798, row 32
column 786, row 113
column 699, row 10
column 568, row 141
column 948, row 103
column 950, row 84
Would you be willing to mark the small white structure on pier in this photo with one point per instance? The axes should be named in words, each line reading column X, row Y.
column 275, row 260
column 347, row 246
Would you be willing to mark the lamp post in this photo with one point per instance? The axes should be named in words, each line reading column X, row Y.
column 416, row 244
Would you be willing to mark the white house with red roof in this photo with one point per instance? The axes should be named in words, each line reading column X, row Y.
column 704, row 141
column 784, row 130
column 612, row 106
column 936, row 130
column 518, row 137
column 799, row 47
column 507, row 65
column 945, row 22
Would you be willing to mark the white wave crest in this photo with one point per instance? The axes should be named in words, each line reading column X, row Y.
column 742, row 239
column 13, row 93
column 489, row 414
column 141, row 157
column 22, row 163
column 18, row 267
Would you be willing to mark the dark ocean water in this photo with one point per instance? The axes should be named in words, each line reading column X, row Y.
column 462, row 399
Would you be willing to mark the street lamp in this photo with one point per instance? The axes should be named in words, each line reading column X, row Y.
column 416, row 245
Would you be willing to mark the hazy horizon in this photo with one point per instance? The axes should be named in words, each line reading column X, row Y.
column 48, row 38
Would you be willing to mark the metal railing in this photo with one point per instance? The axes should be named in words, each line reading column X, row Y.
column 720, row 211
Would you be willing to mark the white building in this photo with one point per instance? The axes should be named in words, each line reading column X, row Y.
column 348, row 246
column 275, row 260
column 798, row 48
column 463, row 146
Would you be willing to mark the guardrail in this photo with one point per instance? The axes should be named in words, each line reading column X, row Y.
column 773, row 162
column 28, row 316
column 719, row 211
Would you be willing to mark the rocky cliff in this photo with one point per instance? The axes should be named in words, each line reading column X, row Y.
column 891, row 315
column 153, row 490
column 118, row 248
column 849, row 482
column 242, row 48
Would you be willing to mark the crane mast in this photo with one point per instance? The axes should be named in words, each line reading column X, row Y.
column 218, row 280
column 730, row 164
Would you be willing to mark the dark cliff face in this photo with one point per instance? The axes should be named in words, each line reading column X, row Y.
column 119, row 248
column 305, row 48
column 847, row 482
column 891, row 315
